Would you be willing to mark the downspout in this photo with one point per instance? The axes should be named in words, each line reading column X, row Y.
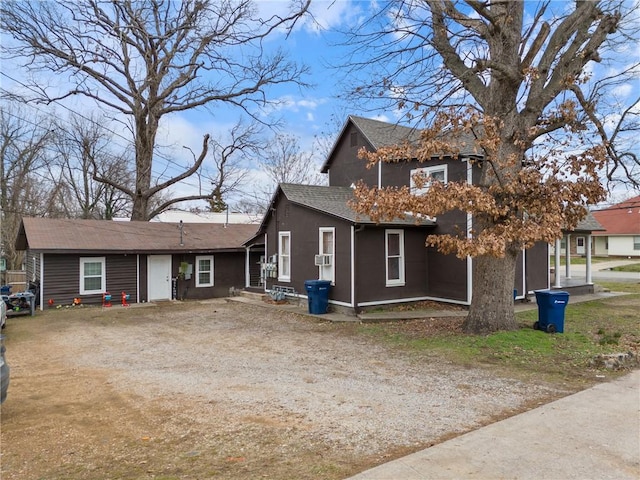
column 469, row 235
column 354, row 297
column 41, row 281
column 247, row 275
column 567, row 253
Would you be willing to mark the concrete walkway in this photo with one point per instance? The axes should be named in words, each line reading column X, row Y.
column 300, row 307
column 593, row 434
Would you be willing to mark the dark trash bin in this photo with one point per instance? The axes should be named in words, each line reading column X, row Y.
column 318, row 295
column 551, row 305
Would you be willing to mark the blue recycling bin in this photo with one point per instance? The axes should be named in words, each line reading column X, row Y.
column 551, row 305
column 318, row 295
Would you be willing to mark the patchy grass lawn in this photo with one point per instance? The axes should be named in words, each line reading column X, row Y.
column 598, row 327
column 579, row 260
column 634, row 267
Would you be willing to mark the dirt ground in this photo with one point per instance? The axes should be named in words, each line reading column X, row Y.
column 228, row 391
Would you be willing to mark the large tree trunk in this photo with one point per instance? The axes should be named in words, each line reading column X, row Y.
column 146, row 128
column 492, row 302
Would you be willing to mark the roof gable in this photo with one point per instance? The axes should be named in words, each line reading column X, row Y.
column 377, row 133
column 75, row 235
column 384, row 134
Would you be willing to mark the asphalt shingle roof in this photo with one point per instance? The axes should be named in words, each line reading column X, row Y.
column 334, row 201
column 75, row 235
column 621, row 219
column 383, row 134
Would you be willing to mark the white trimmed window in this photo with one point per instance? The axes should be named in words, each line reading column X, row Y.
column 326, row 243
column 394, row 254
column 204, row 271
column 284, row 256
column 437, row 173
column 93, row 275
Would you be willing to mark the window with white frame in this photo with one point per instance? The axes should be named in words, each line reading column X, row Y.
column 204, row 271
column 394, row 254
column 636, row 243
column 284, row 256
column 428, row 175
column 326, row 242
column 93, row 275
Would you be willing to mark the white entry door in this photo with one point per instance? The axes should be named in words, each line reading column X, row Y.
column 159, row 277
column 580, row 245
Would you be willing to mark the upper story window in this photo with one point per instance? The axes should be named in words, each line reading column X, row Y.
column 436, row 173
column 204, row 271
column 394, row 254
column 93, row 277
column 284, row 256
column 354, row 139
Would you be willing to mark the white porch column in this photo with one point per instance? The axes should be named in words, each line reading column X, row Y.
column 556, row 264
column 567, row 256
column 588, row 251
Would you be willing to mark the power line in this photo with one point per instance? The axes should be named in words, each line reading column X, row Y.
column 127, row 140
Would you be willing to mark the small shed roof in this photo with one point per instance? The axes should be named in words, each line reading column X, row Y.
column 104, row 236
column 620, row 219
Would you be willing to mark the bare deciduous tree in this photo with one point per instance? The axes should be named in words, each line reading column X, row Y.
column 83, row 149
column 149, row 59
column 508, row 73
column 25, row 187
column 282, row 160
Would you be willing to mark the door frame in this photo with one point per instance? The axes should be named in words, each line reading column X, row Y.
column 150, row 278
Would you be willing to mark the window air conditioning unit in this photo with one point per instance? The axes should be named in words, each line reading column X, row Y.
column 322, row 260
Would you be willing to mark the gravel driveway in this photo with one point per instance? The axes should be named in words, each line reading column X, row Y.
column 239, row 370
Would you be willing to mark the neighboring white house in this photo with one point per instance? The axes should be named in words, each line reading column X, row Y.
column 621, row 237
column 174, row 216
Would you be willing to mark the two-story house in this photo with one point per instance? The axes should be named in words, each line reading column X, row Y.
column 309, row 232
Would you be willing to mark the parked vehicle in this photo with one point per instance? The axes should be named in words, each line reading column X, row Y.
column 4, row 372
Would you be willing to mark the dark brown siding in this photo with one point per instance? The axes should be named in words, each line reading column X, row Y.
column 62, row 279
column 398, row 174
column 142, row 266
column 228, row 271
column 346, row 167
column 537, row 259
column 371, row 266
column 447, row 276
column 122, row 277
column 304, row 225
